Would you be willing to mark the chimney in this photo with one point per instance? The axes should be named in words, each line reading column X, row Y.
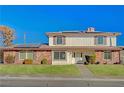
column 90, row 29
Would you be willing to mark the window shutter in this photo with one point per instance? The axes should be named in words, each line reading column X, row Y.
column 54, row 40
column 105, row 40
column 95, row 40
column 63, row 40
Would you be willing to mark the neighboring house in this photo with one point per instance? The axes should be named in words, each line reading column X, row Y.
column 70, row 47
column 1, row 54
column 122, row 54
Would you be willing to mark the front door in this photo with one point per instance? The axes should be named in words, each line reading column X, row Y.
column 79, row 57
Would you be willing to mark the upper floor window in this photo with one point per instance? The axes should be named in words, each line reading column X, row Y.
column 58, row 40
column 100, row 40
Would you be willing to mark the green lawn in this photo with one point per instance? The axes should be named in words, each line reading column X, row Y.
column 40, row 69
column 107, row 70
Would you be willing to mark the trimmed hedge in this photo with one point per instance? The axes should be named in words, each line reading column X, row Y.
column 28, row 61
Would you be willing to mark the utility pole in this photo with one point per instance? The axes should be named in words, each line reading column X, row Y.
column 24, row 38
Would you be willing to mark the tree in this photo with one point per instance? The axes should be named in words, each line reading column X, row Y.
column 8, row 35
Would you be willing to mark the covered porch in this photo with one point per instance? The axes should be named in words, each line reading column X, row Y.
column 81, row 55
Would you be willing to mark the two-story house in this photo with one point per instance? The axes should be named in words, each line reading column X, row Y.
column 70, row 47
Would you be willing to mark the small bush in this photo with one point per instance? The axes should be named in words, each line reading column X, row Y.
column 86, row 63
column 104, row 62
column 28, row 61
column 44, row 61
column 92, row 59
column 97, row 62
column 10, row 59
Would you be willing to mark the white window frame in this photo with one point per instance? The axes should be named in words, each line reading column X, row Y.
column 104, row 55
column 98, row 41
column 59, row 56
column 57, row 38
column 26, row 54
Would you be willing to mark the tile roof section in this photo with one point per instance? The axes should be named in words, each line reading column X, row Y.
column 80, row 33
column 84, row 48
column 73, row 48
column 27, row 46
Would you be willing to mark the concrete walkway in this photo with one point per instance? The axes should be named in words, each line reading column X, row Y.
column 85, row 72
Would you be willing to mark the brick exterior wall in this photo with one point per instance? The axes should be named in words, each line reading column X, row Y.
column 13, row 53
column 115, row 57
column 98, row 56
column 38, row 56
column 41, row 55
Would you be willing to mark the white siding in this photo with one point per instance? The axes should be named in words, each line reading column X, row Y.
column 79, row 41
column 83, row 41
column 113, row 41
column 50, row 41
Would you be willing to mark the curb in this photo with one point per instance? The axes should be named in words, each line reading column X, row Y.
column 58, row 78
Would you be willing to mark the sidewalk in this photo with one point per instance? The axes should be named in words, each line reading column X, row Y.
column 56, row 78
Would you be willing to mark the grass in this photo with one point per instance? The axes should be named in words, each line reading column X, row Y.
column 40, row 69
column 107, row 70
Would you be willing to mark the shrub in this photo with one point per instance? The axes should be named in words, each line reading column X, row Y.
column 87, row 58
column 28, row 61
column 97, row 62
column 92, row 59
column 44, row 61
column 104, row 62
column 86, row 63
column 10, row 59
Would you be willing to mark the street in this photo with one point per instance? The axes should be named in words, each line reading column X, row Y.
column 59, row 83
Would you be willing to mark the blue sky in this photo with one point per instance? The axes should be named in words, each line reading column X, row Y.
column 35, row 21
